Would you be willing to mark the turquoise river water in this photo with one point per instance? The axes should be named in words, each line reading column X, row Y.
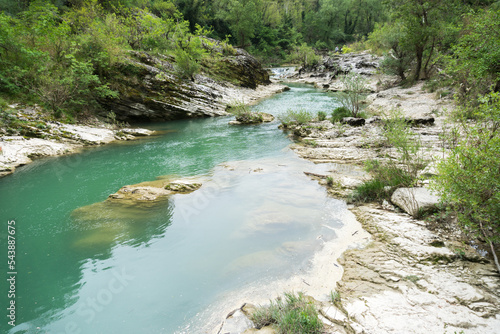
column 156, row 268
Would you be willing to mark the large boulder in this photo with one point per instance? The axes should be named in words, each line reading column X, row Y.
column 415, row 201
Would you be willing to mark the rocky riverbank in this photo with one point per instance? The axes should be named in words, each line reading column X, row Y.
column 400, row 274
column 42, row 136
column 149, row 89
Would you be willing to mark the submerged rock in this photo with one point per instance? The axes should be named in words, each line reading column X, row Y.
column 153, row 190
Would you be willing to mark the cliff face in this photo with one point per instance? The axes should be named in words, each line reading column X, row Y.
column 150, row 89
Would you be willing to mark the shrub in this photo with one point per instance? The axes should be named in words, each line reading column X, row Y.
column 244, row 114
column 398, row 134
column 304, row 55
column 352, row 96
column 321, row 116
column 339, row 113
column 185, row 65
column 392, row 174
column 469, row 179
column 292, row 314
column 296, row 117
column 386, row 178
column 346, row 49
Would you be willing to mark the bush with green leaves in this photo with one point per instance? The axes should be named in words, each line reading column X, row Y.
column 353, row 94
column 339, row 113
column 291, row 314
column 321, row 116
column 390, row 174
column 304, row 55
column 412, row 158
column 469, row 178
column 474, row 61
column 386, row 178
column 244, row 114
column 298, row 117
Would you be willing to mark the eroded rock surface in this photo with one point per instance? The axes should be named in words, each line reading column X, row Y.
column 401, row 282
column 150, row 89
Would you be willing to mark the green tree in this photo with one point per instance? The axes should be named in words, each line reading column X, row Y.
column 469, row 179
column 397, row 60
column 424, row 25
column 354, row 88
column 474, row 62
column 242, row 16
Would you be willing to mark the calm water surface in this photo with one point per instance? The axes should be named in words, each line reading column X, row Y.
column 152, row 269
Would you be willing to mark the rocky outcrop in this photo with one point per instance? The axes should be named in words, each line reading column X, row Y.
column 238, row 321
column 245, row 70
column 150, row 89
column 415, row 201
column 39, row 138
column 420, row 107
column 325, row 74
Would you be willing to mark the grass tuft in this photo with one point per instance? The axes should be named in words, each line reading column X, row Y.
column 291, row 314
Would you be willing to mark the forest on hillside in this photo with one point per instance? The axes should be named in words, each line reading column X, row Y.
column 64, row 54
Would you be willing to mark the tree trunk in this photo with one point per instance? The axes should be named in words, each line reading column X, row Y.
column 419, row 53
column 431, row 51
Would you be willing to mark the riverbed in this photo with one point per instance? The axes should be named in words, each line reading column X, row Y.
column 157, row 268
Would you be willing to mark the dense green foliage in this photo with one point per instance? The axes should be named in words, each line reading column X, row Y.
column 291, row 314
column 275, row 28
column 296, row 117
column 66, row 56
column 469, row 179
column 474, row 63
column 420, row 38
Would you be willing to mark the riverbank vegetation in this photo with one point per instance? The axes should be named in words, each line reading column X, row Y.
column 290, row 314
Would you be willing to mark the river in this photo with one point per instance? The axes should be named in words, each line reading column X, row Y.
column 155, row 269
